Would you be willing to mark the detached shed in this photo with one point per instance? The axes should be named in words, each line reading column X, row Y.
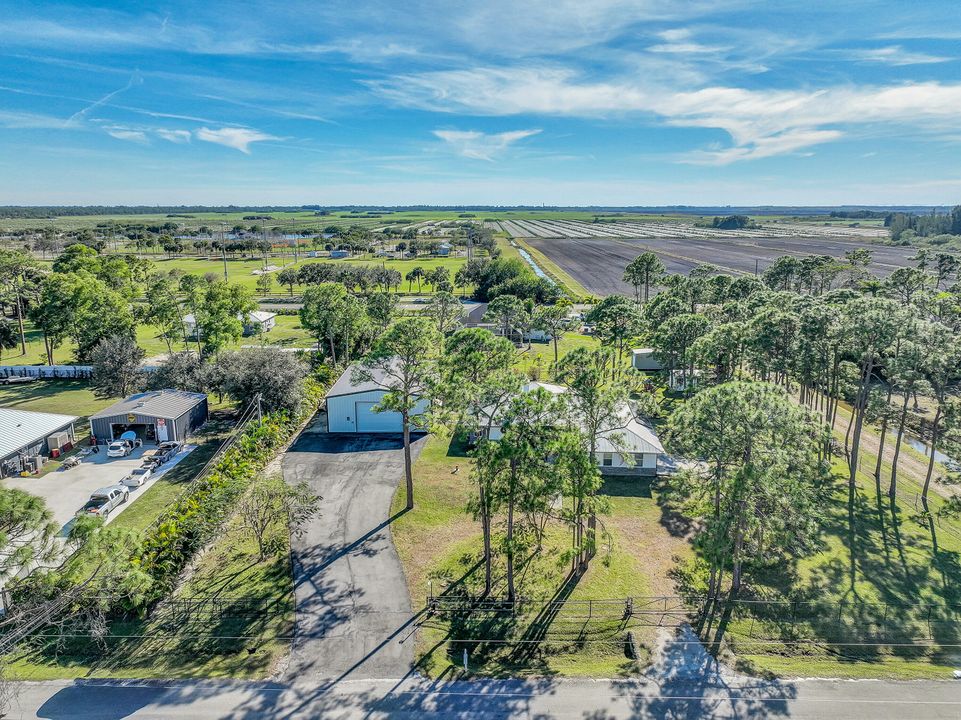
column 350, row 406
column 643, row 359
column 25, row 435
column 156, row 416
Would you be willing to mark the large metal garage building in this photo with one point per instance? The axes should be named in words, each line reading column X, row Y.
column 350, row 406
column 155, row 416
column 24, row 435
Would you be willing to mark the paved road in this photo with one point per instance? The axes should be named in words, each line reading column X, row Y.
column 353, row 610
column 544, row 699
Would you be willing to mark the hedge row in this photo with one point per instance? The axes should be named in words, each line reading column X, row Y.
column 196, row 516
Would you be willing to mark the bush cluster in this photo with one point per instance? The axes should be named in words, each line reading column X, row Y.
column 196, row 516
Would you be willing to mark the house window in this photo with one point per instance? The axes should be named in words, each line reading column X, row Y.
column 607, row 459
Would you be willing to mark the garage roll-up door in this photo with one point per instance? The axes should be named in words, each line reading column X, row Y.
column 370, row 421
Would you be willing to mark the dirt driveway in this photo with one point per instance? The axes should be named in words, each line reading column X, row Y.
column 353, row 614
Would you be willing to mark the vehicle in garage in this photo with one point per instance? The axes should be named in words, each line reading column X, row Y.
column 352, row 406
column 153, row 417
column 119, row 448
column 137, row 477
column 104, row 500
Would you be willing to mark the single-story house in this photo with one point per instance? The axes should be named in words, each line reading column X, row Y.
column 155, row 416
column 26, row 435
column 643, row 359
column 443, row 249
column 260, row 321
column 339, row 254
column 630, row 446
column 350, row 405
column 257, row 321
column 537, row 335
column 681, row 381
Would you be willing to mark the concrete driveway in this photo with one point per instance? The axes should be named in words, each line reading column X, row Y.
column 66, row 491
column 353, row 610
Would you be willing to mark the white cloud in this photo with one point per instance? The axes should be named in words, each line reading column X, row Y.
column 761, row 123
column 31, row 121
column 127, row 134
column 482, row 146
column 233, row 137
column 174, row 136
column 896, row 55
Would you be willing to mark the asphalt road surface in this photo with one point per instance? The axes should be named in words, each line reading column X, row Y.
column 353, row 614
column 544, row 699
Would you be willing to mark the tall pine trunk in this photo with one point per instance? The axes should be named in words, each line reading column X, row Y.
column 893, row 488
column 935, row 427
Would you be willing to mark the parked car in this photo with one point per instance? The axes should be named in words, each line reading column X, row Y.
column 137, row 477
column 104, row 500
column 119, row 448
column 167, row 450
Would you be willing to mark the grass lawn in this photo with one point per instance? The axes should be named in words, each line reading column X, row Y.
column 244, row 641
column 440, row 546
column 538, row 358
column 896, row 569
column 64, row 397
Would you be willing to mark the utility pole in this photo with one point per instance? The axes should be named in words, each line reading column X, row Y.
column 755, row 267
column 223, row 246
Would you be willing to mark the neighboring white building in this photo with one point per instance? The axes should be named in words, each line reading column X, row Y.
column 637, row 446
column 643, row 359
column 681, row 381
column 350, row 405
column 257, row 321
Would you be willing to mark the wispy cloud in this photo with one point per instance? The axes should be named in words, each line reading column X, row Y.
column 233, row 137
column 126, row 134
column 135, row 79
column 895, row 55
column 761, row 123
column 482, row 146
column 174, row 136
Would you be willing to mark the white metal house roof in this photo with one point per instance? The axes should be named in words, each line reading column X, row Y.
column 162, row 403
column 642, row 351
column 19, row 428
column 345, row 384
column 632, row 435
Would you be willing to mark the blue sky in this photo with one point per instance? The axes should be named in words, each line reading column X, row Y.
column 610, row 102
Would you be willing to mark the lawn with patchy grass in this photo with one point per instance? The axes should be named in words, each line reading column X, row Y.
column 440, row 546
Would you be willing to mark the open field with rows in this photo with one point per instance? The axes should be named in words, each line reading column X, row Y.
column 598, row 263
column 558, row 228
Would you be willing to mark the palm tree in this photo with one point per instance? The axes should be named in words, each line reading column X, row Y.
column 417, row 274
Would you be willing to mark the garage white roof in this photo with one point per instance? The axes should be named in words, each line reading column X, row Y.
column 345, row 384
column 22, row 427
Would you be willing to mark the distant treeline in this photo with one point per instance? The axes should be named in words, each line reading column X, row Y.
column 904, row 226
column 861, row 214
column 51, row 211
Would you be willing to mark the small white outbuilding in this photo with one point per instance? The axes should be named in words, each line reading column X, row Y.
column 351, row 405
column 643, row 359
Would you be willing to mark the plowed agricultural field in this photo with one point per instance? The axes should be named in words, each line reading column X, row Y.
column 598, row 263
